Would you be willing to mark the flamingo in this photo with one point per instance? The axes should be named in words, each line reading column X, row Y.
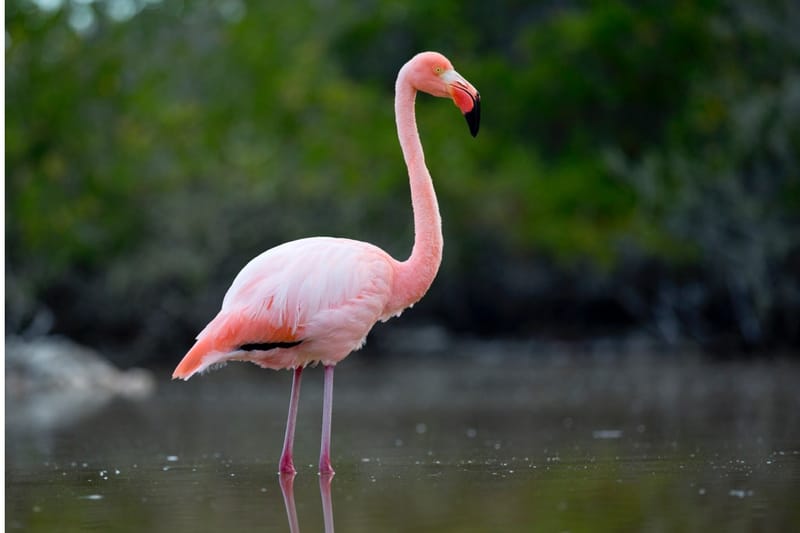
column 314, row 300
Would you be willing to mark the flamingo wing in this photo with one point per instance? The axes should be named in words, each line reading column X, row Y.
column 304, row 301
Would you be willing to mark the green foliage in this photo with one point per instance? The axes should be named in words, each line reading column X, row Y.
column 156, row 148
column 726, row 181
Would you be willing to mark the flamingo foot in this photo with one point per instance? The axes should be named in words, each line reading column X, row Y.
column 287, row 466
column 325, row 466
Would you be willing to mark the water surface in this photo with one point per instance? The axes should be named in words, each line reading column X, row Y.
column 475, row 442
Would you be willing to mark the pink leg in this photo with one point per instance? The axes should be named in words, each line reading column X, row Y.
column 327, row 409
column 287, row 467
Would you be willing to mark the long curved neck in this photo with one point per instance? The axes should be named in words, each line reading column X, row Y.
column 414, row 276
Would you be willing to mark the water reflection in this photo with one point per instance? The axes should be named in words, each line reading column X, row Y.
column 325, row 481
column 287, row 489
column 582, row 445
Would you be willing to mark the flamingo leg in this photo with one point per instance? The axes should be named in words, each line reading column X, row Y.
column 287, row 466
column 325, row 467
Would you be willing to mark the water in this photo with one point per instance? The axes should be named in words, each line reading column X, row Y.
column 469, row 443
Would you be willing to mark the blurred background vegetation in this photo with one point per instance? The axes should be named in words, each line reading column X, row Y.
column 637, row 170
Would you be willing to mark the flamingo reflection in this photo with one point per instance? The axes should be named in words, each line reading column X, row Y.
column 287, row 489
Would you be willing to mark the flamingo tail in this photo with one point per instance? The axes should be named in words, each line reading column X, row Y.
column 195, row 359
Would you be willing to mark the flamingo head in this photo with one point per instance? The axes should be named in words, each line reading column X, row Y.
column 434, row 74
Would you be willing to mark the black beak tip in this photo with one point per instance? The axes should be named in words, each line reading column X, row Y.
column 474, row 116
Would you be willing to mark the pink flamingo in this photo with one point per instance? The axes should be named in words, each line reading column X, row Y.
column 314, row 300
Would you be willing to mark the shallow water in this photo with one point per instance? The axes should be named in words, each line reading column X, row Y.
column 468, row 443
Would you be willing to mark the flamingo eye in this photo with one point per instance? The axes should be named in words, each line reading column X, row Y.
column 438, row 69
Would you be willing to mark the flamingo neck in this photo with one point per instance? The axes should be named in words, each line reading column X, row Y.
column 414, row 276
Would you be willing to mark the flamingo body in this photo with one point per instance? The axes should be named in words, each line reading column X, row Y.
column 315, row 300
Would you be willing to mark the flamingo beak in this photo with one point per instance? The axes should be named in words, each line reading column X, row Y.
column 473, row 116
column 466, row 97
